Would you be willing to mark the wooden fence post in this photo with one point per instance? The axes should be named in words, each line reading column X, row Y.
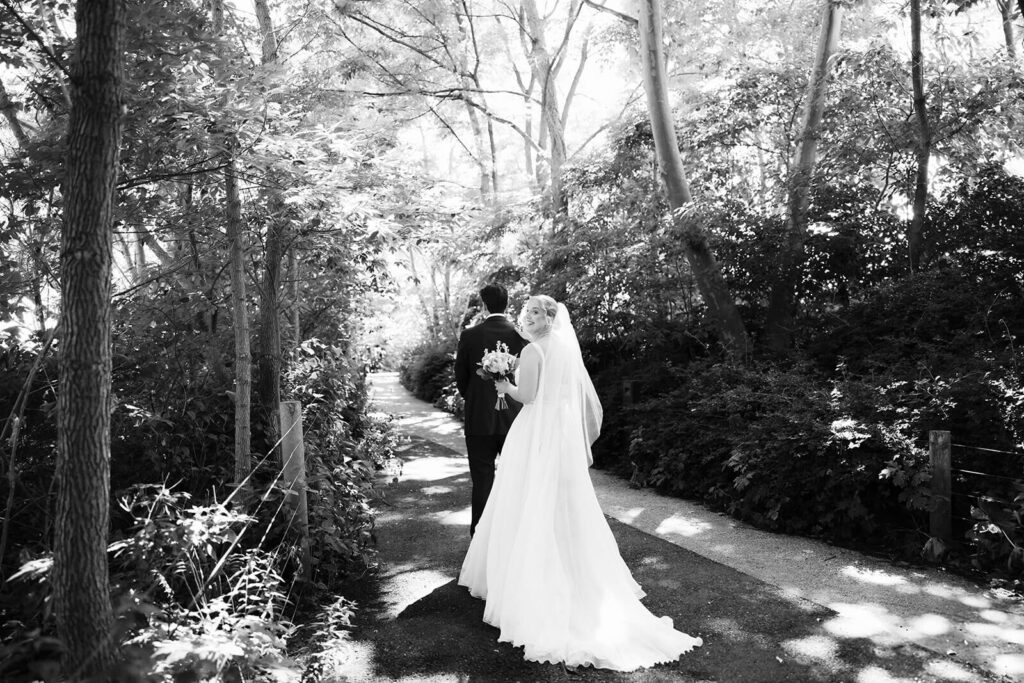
column 293, row 467
column 941, row 526
column 629, row 391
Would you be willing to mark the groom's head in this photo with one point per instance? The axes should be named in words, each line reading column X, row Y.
column 495, row 298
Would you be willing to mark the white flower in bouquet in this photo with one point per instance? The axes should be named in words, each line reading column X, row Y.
column 498, row 364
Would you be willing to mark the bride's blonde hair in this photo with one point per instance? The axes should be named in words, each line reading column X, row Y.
column 549, row 305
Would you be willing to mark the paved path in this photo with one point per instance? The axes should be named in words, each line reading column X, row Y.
column 769, row 607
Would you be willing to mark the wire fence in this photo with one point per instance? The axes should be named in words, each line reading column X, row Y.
column 972, row 486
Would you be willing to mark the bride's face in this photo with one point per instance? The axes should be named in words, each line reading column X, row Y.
column 535, row 320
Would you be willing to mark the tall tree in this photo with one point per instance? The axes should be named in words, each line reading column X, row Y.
column 702, row 261
column 1009, row 34
column 270, row 293
column 923, row 138
column 544, row 68
column 235, row 229
column 80, row 574
column 782, row 299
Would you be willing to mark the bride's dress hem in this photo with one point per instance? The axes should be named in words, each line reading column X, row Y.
column 544, row 558
column 580, row 657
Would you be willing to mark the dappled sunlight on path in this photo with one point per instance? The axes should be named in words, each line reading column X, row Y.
column 769, row 607
column 874, row 599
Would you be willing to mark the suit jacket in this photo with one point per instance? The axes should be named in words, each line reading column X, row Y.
column 479, row 394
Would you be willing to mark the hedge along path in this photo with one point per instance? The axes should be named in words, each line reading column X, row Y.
column 420, row 625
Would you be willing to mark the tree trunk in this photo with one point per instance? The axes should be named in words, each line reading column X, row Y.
column 492, row 159
column 584, row 51
column 242, row 329
column 269, row 372
column 235, row 230
column 915, row 233
column 150, row 241
column 486, row 194
column 266, row 24
column 140, row 256
column 10, row 112
column 293, row 286
column 81, row 590
column 1020, row 8
column 540, row 62
column 1009, row 35
column 270, row 299
column 528, row 127
column 702, row 261
column 428, row 312
column 782, row 300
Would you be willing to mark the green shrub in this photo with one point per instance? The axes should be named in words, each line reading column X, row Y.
column 451, row 401
column 196, row 596
column 427, row 370
column 774, row 448
column 344, row 447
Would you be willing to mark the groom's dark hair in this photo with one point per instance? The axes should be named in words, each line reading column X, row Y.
column 495, row 297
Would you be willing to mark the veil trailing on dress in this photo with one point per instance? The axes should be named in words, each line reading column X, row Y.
column 543, row 555
column 566, row 380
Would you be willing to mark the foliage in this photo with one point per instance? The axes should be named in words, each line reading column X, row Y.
column 192, row 600
column 345, row 447
column 427, row 370
column 328, row 646
column 451, row 401
column 774, row 448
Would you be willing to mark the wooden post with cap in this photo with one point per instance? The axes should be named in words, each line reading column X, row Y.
column 941, row 522
column 293, row 467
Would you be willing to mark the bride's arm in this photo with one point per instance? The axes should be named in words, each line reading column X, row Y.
column 529, row 377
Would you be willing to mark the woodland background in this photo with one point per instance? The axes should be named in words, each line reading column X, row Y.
column 796, row 228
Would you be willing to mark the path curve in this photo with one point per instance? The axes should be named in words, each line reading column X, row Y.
column 769, row 607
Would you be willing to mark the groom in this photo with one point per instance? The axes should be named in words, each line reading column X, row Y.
column 485, row 426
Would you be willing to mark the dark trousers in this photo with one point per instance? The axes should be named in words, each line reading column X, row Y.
column 482, row 450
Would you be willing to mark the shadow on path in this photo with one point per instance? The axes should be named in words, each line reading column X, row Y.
column 422, row 626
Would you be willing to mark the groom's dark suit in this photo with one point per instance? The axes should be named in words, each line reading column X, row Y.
column 485, row 427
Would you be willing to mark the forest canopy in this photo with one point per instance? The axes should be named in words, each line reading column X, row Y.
column 791, row 236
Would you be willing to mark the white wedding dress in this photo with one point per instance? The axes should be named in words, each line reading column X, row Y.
column 543, row 555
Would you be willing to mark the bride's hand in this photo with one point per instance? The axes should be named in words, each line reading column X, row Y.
column 503, row 386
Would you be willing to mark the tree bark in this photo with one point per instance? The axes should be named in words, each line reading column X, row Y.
column 706, row 271
column 486, row 193
column 1009, row 35
column 428, row 311
column 81, row 590
column 235, row 230
column 915, row 232
column 483, row 135
column 528, row 125
column 492, row 160
column 269, row 371
column 10, row 112
column 543, row 69
column 293, row 286
column 782, row 299
column 242, row 329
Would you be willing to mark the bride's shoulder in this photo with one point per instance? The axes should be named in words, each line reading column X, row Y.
column 532, row 350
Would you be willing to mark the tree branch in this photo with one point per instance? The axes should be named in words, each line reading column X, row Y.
column 628, row 18
column 34, row 35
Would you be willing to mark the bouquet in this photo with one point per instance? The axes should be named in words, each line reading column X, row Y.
column 498, row 364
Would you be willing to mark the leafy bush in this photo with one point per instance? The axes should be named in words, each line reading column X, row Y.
column 193, row 600
column 451, row 401
column 202, row 589
column 427, row 370
column 776, row 449
column 344, row 447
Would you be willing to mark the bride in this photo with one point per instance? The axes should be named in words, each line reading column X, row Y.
column 543, row 555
